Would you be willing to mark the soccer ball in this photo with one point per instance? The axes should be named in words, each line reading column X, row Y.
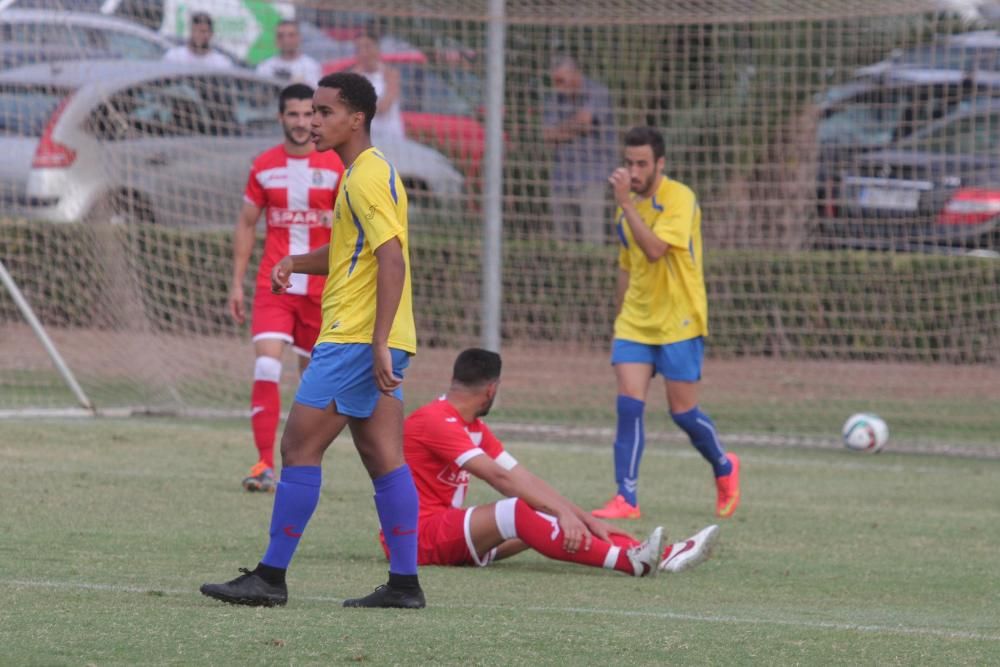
column 865, row 432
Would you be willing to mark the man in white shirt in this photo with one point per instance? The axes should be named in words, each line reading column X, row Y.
column 290, row 65
column 198, row 50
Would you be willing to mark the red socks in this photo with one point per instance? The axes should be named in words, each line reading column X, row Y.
column 265, row 409
column 542, row 533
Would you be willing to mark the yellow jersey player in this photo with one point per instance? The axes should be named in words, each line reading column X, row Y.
column 662, row 319
column 355, row 376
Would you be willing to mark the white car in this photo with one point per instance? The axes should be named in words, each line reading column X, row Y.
column 153, row 142
column 38, row 35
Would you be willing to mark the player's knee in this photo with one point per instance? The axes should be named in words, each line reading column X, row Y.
column 506, row 517
column 688, row 421
column 267, row 369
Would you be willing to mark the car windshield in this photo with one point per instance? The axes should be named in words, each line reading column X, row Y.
column 879, row 116
column 24, row 110
column 970, row 135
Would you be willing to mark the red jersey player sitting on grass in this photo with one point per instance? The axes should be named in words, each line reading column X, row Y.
column 446, row 441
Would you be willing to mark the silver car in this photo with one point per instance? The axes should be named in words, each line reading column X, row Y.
column 37, row 35
column 153, row 142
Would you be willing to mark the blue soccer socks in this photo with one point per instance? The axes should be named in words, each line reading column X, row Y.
column 630, row 439
column 398, row 507
column 701, row 431
column 294, row 502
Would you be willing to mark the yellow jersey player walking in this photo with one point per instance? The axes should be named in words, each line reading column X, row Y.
column 355, row 376
column 662, row 319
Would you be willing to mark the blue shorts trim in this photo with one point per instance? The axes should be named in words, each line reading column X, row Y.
column 344, row 372
column 679, row 361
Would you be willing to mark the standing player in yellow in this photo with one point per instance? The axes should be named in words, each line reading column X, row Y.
column 355, row 376
column 662, row 319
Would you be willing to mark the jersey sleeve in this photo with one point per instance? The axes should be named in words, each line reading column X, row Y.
column 372, row 200
column 674, row 224
column 493, row 448
column 254, row 193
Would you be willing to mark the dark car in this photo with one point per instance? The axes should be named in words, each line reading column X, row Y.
column 873, row 114
column 938, row 189
column 968, row 52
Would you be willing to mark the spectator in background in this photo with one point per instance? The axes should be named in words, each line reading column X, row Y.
column 198, row 50
column 578, row 125
column 290, row 64
column 387, row 126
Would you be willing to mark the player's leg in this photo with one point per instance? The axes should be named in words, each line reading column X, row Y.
column 272, row 327
column 265, row 411
column 377, row 427
column 633, row 364
column 308, row 433
column 680, row 364
column 491, row 526
column 313, row 423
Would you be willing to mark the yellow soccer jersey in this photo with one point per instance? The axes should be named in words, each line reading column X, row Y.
column 665, row 301
column 370, row 210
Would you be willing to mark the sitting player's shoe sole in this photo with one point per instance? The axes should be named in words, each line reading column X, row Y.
column 247, row 589
column 617, row 508
column 692, row 551
column 385, row 597
column 645, row 555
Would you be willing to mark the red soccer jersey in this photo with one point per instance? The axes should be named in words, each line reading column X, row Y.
column 436, row 444
column 298, row 194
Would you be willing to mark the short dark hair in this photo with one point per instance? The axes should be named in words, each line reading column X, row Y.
column 291, row 22
column 647, row 136
column 296, row 91
column 199, row 18
column 475, row 367
column 356, row 91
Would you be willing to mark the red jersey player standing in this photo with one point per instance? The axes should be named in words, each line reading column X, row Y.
column 297, row 186
column 446, row 441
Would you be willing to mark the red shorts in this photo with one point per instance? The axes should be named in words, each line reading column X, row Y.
column 293, row 318
column 443, row 540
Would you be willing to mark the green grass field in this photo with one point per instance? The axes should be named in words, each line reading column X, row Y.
column 109, row 527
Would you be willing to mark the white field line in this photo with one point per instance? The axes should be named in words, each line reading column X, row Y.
column 755, row 458
column 944, row 633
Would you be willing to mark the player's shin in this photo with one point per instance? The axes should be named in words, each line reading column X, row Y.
column 265, row 406
column 630, row 440
column 541, row 532
column 398, row 507
column 294, row 502
column 701, row 430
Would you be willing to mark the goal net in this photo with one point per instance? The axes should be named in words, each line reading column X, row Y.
column 843, row 274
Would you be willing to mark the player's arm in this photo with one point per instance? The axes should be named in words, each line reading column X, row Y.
column 388, row 293
column 244, row 237
column 392, row 88
column 653, row 247
column 576, row 125
column 519, row 482
column 315, row 263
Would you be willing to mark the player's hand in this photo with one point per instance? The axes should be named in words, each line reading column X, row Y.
column 281, row 276
column 575, row 533
column 236, row 309
column 384, row 378
column 621, row 184
column 603, row 530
